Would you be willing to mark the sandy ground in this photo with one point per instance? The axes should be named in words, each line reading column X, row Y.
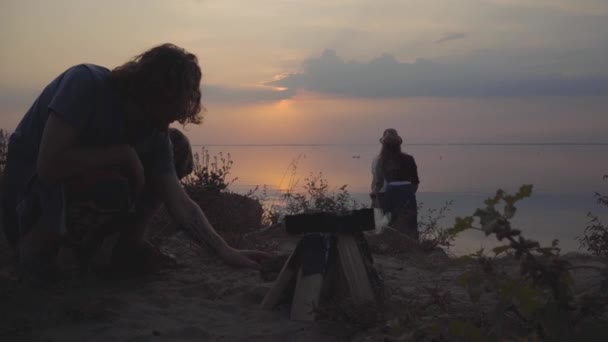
column 205, row 301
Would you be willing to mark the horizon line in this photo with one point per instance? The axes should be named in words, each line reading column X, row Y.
column 413, row 144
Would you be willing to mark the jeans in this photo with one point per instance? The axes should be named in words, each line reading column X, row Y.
column 400, row 202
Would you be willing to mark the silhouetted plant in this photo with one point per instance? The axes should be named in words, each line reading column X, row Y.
column 533, row 301
column 4, row 136
column 540, row 296
column 210, row 172
column 317, row 197
column 431, row 233
column 595, row 239
column 271, row 214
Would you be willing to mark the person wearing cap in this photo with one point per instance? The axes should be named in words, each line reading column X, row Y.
column 98, row 141
column 395, row 183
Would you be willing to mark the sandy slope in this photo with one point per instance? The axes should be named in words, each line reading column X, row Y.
column 203, row 301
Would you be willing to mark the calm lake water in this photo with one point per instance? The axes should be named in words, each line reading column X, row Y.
column 565, row 178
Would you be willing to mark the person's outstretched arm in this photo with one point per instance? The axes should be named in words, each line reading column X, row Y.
column 190, row 216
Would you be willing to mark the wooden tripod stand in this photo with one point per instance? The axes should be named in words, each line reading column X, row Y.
column 330, row 260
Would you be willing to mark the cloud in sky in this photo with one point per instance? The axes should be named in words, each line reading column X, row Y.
column 555, row 47
column 451, row 36
column 478, row 74
column 483, row 73
column 17, row 100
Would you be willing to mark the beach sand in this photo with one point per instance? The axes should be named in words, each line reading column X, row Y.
column 205, row 300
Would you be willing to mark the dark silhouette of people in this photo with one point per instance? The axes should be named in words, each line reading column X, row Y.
column 395, row 183
column 97, row 142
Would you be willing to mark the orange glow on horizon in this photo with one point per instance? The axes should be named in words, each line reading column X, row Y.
column 283, row 104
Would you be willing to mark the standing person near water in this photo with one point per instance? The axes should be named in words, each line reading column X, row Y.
column 395, row 183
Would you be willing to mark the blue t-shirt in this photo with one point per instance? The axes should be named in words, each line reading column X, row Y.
column 84, row 97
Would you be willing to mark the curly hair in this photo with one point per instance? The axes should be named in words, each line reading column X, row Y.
column 167, row 77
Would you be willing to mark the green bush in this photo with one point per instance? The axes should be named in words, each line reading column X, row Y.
column 595, row 238
column 539, row 299
column 522, row 291
column 316, row 196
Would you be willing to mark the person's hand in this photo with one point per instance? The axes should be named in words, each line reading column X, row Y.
column 243, row 258
column 372, row 195
column 135, row 169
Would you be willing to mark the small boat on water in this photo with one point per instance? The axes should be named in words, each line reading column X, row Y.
column 356, row 156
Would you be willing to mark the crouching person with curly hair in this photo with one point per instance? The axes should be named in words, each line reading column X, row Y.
column 97, row 143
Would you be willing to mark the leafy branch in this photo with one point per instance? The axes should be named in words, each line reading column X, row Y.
column 595, row 238
column 541, row 296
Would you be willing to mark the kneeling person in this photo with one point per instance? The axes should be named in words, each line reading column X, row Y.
column 102, row 137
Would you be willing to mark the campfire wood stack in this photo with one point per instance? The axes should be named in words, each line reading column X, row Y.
column 330, row 261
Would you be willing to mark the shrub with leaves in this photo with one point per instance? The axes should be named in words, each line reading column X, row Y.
column 432, row 233
column 317, row 197
column 210, row 172
column 540, row 297
column 595, row 239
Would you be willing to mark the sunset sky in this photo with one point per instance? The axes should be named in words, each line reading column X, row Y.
column 319, row 71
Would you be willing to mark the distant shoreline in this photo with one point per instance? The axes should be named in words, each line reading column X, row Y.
column 413, row 144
